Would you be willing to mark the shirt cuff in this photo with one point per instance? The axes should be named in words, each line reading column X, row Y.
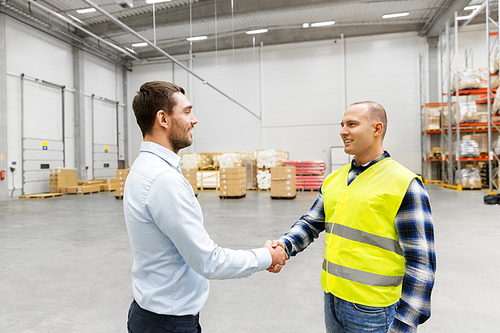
column 263, row 257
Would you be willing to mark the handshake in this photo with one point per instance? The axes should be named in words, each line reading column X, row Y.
column 278, row 255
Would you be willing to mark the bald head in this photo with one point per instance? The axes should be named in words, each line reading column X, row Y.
column 376, row 113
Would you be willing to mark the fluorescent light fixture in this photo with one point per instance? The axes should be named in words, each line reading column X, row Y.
column 472, row 7
column 258, row 31
column 142, row 44
column 322, row 24
column 157, row 1
column 192, row 39
column 386, row 16
column 305, row 25
column 85, row 10
column 76, row 19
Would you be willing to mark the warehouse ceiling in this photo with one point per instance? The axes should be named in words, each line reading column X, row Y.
column 111, row 30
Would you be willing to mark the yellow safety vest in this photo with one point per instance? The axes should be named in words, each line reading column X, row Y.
column 364, row 262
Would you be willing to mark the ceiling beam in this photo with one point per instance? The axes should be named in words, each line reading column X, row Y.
column 438, row 23
column 205, row 10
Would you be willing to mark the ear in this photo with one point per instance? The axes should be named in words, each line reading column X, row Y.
column 162, row 119
column 378, row 129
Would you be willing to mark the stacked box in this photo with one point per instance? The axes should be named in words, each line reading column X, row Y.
column 82, row 189
column 121, row 176
column 61, row 178
column 92, row 182
column 283, row 182
column 233, row 182
column 190, row 175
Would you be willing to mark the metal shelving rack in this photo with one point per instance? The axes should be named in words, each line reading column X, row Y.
column 492, row 156
column 450, row 134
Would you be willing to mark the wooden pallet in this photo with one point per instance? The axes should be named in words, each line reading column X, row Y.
column 40, row 196
column 232, row 197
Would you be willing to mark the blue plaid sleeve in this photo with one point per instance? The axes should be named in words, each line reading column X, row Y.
column 415, row 230
column 306, row 229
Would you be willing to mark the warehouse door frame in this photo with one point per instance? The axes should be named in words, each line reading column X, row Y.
column 338, row 158
column 100, row 150
column 39, row 154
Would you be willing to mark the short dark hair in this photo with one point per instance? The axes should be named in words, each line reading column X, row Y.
column 152, row 97
column 376, row 113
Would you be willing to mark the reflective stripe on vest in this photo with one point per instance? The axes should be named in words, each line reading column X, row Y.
column 364, row 237
column 367, row 278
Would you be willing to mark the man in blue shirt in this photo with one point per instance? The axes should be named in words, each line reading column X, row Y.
column 173, row 254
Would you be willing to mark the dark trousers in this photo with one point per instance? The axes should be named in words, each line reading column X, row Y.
column 143, row 321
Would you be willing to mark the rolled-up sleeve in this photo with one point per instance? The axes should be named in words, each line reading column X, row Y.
column 177, row 213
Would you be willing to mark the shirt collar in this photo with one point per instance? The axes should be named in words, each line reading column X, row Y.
column 164, row 153
column 363, row 167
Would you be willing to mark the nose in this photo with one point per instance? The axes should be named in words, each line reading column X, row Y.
column 194, row 121
column 343, row 131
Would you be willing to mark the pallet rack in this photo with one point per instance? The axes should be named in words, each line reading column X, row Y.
column 450, row 136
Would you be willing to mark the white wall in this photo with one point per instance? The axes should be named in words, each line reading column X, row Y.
column 298, row 90
column 40, row 56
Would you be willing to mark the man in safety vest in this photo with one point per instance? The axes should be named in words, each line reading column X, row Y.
column 379, row 265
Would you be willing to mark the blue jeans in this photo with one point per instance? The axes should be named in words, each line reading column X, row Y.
column 143, row 321
column 346, row 317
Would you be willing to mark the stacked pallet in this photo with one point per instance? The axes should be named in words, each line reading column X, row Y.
column 60, row 178
column 190, row 175
column 283, row 182
column 121, row 176
column 233, row 182
column 309, row 174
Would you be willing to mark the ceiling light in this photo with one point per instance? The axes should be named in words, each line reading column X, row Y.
column 192, row 39
column 76, row 19
column 386, row 16
column 305, row 25
column 156, row 1
column 322, row 24
column 472, row 7
column 85, row 10
column 140, row 44
column 259, row 31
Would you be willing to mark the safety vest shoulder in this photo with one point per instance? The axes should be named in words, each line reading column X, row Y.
column 364, row 262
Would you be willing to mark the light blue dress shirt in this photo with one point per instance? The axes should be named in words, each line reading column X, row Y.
column 173, row 253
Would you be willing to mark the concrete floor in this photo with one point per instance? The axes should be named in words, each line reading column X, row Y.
column 66, row 265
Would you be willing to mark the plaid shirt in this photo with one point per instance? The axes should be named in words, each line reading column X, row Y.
column 415, row 231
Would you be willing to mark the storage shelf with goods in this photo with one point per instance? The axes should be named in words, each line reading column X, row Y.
column 472, row 147
column 470, row 94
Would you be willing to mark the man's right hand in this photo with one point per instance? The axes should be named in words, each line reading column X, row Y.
column 278, row 256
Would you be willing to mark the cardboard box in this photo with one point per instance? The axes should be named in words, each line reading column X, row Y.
column 121, row 176
column 191, row 176
column 471, row 183
column 82, row 189
column 232, row 193
column 232, row 173
column 62, row 177
column 108, row 187
column 237, row 164
column 283, row 182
